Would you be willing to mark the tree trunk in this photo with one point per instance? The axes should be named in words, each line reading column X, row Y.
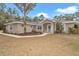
column 24, row 23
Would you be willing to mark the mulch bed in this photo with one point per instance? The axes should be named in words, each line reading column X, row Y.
column 27, row 33
column 30, row 33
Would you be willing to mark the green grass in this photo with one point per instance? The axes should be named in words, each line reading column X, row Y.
column 74, row 46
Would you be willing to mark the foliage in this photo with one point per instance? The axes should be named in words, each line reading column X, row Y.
column 11, row 12
column 2, row 14
column 65, row 17
column 68, row 17
column 27, row 18
column 35, row 19
column 38, row 18
column 6, row 14
column 76, row 26
column 59, row 27
column 75, row 29
column 25, row 8
column 41, row 17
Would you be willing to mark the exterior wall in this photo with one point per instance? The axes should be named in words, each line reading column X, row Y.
column 19, row 29
column 15, row 28
column 28, row 28
column 8, row 28
column 67, row 26
column 42, row 28
column 53, row 27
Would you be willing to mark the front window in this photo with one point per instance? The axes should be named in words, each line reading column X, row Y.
column 33, row 26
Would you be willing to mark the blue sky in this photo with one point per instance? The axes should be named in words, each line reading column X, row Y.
column 51, row 9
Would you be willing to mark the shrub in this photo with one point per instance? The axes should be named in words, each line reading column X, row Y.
column 59, row 27
column 74, row 30
column 76, row 26
column 34, row 31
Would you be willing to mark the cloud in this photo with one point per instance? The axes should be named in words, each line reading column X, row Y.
column 44, row 14
column 68, row 10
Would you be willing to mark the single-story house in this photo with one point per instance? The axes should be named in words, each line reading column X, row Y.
column 45, row 26
column 17, row 27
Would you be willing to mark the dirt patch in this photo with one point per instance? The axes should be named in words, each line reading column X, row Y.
column 55, row 44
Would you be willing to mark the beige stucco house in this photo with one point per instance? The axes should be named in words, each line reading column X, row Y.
column 45, row 26
column 17, row 27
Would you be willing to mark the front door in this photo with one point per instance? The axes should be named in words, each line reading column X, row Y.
column 49, row 28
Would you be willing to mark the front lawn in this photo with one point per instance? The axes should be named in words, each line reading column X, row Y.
column 52, row 44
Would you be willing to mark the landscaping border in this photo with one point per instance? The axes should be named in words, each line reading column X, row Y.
column 17, row 36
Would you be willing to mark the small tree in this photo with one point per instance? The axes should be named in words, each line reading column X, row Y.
column 36, row 19
column 25, row 8
column 59, row 27
column 41, row 17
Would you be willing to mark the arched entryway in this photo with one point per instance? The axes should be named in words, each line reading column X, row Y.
column 47, row 27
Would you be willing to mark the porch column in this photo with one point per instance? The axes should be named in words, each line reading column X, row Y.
column 42, row 28
column 65, row 28
column 55, row 26
column 52, row 28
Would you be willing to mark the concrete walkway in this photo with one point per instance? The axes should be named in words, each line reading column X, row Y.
column 16, row 36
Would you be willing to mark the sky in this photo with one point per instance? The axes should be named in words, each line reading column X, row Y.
column 49, row 10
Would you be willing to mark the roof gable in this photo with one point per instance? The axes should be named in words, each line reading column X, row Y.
column 46, row 21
